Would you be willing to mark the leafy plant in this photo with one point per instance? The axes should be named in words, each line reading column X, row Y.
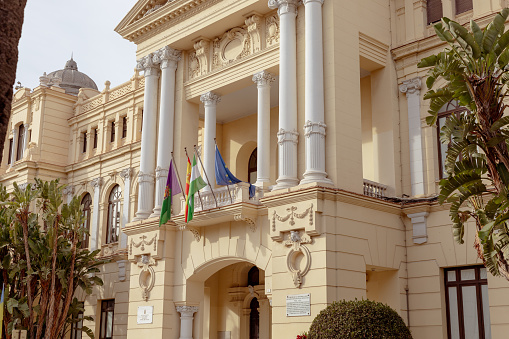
column 358, row 319
column 43, row 262
column 475, row 68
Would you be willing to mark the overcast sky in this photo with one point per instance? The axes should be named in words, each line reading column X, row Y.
column 53, row 29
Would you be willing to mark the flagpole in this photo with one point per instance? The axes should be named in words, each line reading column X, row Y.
column 199, row 196
column 178, row 177
column 206, row 176
column 227, row 186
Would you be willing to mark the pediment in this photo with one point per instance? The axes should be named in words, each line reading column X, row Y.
column 141, row 8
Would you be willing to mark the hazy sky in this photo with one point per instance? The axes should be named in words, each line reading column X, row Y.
column 53, row 29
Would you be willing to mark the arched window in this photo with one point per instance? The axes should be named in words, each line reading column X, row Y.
column 21, row 139
column 450, row 108
column 251, row 168
column 113, row 215
column 254, row 320
column 253, row 276
column 86, row 202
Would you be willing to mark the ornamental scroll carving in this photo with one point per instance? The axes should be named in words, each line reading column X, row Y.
column 141, row 244
column 233, row 45
column 272, row 30
column 194, row 230
column 147, row 275
column 298, row 268
column 250, row 221
column 292, row 215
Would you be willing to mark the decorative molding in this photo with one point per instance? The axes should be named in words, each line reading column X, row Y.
column 126, row 173
column 122, row 265
column 296, row 241
column 285, row 6
column 412, row 86
column 161, row 172
column 248, row 220
column 314, row 128
column 194, row 230
column 287, row 136
column 147, row 275
column 291, row 216
column 233, row 45
column 253, row 29
column 142, row 243
column 22, row 187
column 210, row 98
column 263, row 78
column 148, row 64
column 419, row 227
column 187, row 310
column 110, row 249
column 168, row 56
column 272, row 30
column 201, row 48
column 373, row 50
column 146, row 177
column 96, row 183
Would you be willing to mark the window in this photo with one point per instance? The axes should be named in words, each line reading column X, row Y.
column 21, row 144
column 254, row 319
column 251, row 169
column 77, row 325
column 95, row 138
column 84, row 136
column 107, row 313
column 112, row 131
column 463, row 6
column 253, row 276
column 11, row 144
column 434, row 10
column 86, row 202
column 448, row 109
column 114, row 215
column 466, row 293
column 124, row 127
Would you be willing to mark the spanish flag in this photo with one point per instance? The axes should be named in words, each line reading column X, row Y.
column 2, row 309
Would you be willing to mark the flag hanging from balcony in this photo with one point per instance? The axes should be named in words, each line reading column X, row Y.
column 196, row 183
column 225, row 177
column 2, row 308
column 172, row 188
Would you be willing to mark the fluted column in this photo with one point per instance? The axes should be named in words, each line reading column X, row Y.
column 412, row 89
column 94, row 232
column 125, row 174
column 148, row 138
column 210, row 101
column 186, row 321
column 263, row 80
column 168, row 57
column 314, row 128
column 287, row 135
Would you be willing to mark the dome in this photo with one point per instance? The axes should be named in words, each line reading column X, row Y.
column 72, row 79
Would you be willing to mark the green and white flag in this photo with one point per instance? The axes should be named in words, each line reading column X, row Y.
column 196, row 183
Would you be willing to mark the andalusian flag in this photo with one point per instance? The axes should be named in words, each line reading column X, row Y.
column 2, row 309
column 196, row 183
column 172, row 188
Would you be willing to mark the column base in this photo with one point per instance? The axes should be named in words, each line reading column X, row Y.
column 141, row 215
column 315, row 176
column 262, row 184
column 156, row 212
column 284, row 183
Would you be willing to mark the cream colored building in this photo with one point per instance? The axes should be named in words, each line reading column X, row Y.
column 316, row 102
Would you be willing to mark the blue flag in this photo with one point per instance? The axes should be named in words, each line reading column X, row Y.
column 225, row 177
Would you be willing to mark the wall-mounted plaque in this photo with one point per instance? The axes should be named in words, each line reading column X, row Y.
column 145, row 314
column 298, row 305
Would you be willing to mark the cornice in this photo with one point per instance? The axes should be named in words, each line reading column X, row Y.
column 97, row 159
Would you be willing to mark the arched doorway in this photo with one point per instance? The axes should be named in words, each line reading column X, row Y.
column 254, row 319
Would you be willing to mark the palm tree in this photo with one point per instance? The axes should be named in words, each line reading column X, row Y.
column 11, row 21
column 475, row 68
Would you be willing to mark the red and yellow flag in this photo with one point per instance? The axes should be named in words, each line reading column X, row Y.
column 188, row 183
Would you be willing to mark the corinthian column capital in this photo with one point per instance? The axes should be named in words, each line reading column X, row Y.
column 210, row 98
column 285, row 6
column 168, row 57
column 148, row 64
column 263, row 78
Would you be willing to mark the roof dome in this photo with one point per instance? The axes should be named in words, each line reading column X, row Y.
column 72, row 79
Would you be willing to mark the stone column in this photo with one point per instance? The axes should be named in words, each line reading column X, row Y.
column 210, row 101
column 148, row 138
column 169, row 59
column 314, row 128
column 287, row 135
column 263, row 80
column 94, row 231
column 25, row 139
column 14, row 145
column 126, row 175
column 412, row 89
column 186, row 321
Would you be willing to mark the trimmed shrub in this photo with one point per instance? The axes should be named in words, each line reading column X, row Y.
column 358, row 319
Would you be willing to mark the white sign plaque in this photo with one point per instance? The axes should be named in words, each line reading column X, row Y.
column 145, row 314
column 298, row 305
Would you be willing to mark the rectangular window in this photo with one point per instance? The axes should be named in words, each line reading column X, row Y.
column 434, row 11
column 95, row 138
column 463, row 6
column 77, row 325
column 21, row 142
column 11, row 144
column 84, row 136
column 124, row 127
column 466, row 294
column 112, row 131
column 107, row 313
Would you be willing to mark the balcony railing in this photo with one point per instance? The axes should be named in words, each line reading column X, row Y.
column 374, row 189
column 224, row 195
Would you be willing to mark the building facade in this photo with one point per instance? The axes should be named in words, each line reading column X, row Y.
column 318, row 103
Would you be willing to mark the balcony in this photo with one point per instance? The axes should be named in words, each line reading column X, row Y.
column 374, row 189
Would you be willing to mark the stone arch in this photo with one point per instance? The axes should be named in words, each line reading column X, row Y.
column 242, row 159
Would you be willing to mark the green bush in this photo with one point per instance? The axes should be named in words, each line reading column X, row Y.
column 358, row 319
